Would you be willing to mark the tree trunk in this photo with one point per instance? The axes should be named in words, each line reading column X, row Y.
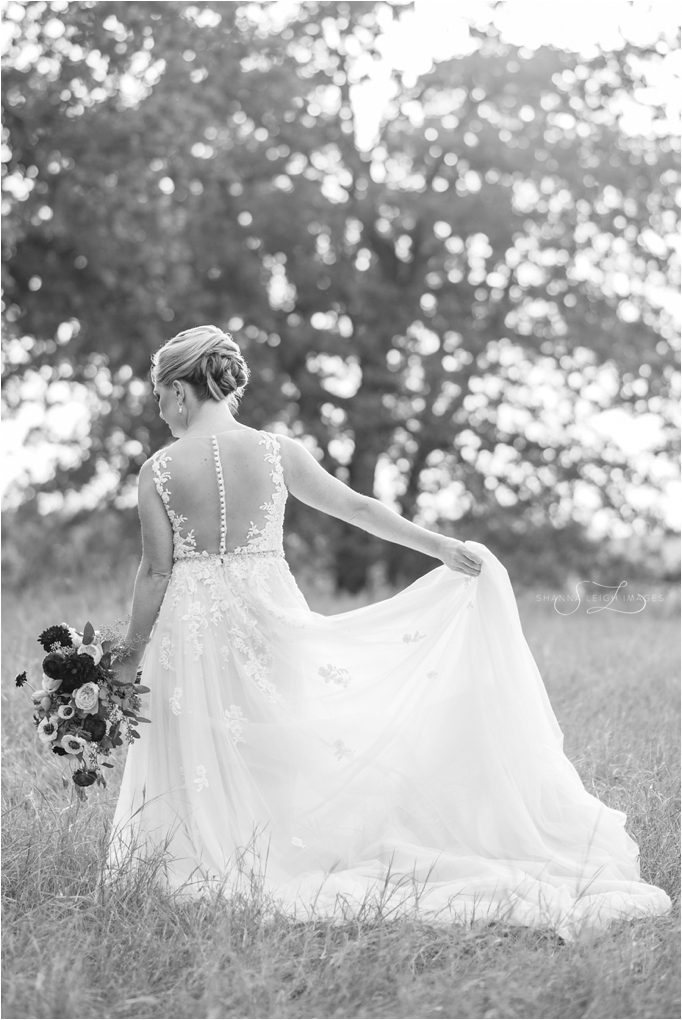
column 355, row 549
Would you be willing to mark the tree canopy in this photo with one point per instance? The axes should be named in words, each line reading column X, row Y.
column 445, row 309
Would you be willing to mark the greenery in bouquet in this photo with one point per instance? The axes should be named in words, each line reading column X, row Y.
column 81, row 711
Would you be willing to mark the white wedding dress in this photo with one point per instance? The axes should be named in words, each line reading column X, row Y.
column 402, row 756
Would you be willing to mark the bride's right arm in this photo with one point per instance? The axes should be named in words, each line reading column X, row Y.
column 309, row 482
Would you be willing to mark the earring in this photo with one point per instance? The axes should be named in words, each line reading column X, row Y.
column 180, row 408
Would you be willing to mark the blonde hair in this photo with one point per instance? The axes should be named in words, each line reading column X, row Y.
column 208, row 359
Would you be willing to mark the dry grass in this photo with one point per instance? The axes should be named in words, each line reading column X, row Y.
column 74, row 949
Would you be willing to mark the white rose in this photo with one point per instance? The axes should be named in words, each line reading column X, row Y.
column 86, row 698
column 47, row 730
column 50, row 685
column 93, row 649
column 72, row 744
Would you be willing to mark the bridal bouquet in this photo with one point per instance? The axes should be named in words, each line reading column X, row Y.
column 81, row 710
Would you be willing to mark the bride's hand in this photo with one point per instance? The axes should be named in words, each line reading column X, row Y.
column 456, row 556
column 125, row 671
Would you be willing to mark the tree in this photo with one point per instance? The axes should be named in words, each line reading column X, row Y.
column 448, row 305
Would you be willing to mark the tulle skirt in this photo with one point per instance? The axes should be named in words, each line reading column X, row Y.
column 402, row 758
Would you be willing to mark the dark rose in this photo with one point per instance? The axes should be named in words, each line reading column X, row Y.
column 21, row 679
column 84, row 777
column 56, row 749
column 96, row 727
column 55, row 665
column 58, row 635
column 79, row 670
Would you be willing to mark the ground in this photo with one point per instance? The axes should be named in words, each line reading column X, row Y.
column 72, row 950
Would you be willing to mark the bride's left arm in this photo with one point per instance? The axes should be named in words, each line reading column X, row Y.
column 309, row 482
column 153, row 574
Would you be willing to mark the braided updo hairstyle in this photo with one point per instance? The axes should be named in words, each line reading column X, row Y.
column 208, row 359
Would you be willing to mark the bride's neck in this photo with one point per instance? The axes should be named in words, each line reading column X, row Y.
column 208, row 418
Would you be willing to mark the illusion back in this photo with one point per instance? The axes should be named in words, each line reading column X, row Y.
column 223, row 493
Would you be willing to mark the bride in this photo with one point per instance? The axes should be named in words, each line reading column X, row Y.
column 402, row 757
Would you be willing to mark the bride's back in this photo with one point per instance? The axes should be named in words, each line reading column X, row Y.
column 223, row 492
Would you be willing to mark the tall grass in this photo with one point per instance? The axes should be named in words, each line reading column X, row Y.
column 74, row 947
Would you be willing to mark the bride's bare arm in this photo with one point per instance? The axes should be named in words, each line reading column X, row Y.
column 155, row 567
column 309, row 482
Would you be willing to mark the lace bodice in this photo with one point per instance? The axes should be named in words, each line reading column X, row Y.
column 208, row 511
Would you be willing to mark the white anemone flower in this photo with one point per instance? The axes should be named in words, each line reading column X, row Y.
column 73, row 744
column 94, row 649
column 47, row 730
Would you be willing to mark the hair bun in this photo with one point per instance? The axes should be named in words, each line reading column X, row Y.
column 206, row 357
column 225, row 370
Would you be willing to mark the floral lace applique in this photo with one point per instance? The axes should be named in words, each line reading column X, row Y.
column 432, row 674
column 248, row 639
column 201, row 782
column 196, row 617
column 234, row 721
column 258, row 663
column 183, row 545
column 407, row 638
column 296, row 841
column 271, row 534
column 231, row 592
column 189, row 573
column 166, row 653
column 334, row 675
column 174, row 701
column 341, row 751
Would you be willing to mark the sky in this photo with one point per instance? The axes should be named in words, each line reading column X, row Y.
column 436, row 30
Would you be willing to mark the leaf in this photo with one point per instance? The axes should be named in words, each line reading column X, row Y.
column 141, row 718
column 106, row 765
column 134, row 733
column 88, row 633
column 140, row 689
column 129, row 715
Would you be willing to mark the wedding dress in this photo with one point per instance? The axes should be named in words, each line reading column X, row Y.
column 403, row 756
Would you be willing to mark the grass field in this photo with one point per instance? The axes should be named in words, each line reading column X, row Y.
column 72, row 950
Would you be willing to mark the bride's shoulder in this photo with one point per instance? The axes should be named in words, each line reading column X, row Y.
column 159, row 457
column 157, row 463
